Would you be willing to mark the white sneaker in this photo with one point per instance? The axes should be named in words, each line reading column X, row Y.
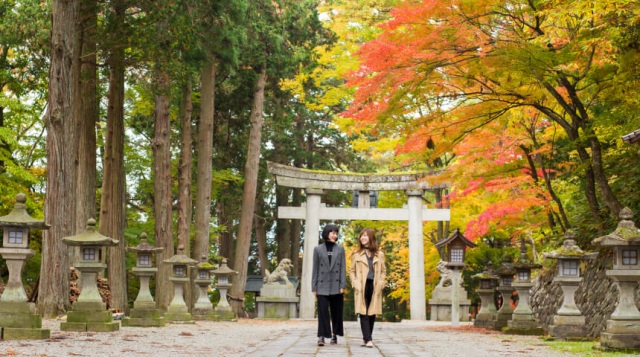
column 369, row 344
column 363, row 343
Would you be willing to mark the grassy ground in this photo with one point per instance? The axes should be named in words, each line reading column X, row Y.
column 587, row 348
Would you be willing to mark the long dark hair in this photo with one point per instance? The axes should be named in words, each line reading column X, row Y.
column 373, row 244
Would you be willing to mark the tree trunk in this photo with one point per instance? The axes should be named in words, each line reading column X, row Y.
column 243, row 242
column 283, row 226
column 225, row 242
column 296, row 236
column 60, row 198
column 261, row 233
column 86, row 100
column 185, row 202
column 162, row 188
column 205, row 159
column 112, row 203
column 184, row 171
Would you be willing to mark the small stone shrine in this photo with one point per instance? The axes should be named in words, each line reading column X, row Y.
column 449, row 294
column 223, row 310
column 487, row 315
column 505, row 273
column 178, row 311
column 18, row 317
column 203, row 308
column 623, row 328
column 278, row 298
column 522, row 321
column 145, row 312
column 568, row 322
column 90, row 312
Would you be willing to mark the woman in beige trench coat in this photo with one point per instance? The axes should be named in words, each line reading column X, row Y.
column 368, row 277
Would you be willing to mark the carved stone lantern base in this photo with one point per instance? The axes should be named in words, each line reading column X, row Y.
column 571, row 328
column 18, row 321
column 621, row 334
column 141, row 317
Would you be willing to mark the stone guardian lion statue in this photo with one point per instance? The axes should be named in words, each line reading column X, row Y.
column 445, row 274
column 280, row 274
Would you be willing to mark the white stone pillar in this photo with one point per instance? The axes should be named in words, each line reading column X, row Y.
column 456, row 276
column 416, row 257
column 312, row 226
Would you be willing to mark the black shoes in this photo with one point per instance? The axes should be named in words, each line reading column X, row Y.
column 320, row 341
column 334, row 340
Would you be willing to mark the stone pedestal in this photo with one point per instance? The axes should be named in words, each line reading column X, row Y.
column 18, row 319
column 89, row 312
column 568, row 323
column 178, row 312
column 522, row 321
column 486, row 317
column 277, row 301
column 623, row 329
column 203, row 308
column 144, row 312
column 505, row 313
column 440, row 304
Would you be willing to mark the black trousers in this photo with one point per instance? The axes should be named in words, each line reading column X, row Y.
column 330, row 313
column 367, row 321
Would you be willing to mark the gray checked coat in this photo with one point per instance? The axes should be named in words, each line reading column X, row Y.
column 328, row 278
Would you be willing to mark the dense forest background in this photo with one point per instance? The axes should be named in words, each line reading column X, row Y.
column 159, row 117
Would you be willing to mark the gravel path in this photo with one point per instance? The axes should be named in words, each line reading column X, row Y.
column 278, row 338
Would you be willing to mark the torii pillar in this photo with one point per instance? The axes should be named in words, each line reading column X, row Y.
column 312, row 226
column 417, row 296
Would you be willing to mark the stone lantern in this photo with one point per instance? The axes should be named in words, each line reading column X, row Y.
column 223, row 310
column 569, row 323
column 486, row 317
column 455, row 247
column 178, row 311
column 623, row 328
column 203, row 308
column 522, row 321
column 145, row 312
column 18, row 319
column 89, row 311
column 505, row 274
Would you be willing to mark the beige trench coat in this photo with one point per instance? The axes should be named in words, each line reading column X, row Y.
column 358, row 274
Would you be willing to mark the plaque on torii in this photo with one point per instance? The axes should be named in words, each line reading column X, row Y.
column 316, row 182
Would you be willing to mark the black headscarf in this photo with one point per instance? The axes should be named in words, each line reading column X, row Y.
column 328, row 229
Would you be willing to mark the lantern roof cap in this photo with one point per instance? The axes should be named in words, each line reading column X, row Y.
column 144, row 246
column 204, row 264
column 506, row 268
column 487, row 274
column 625, row 234
column 224, row 269
column 89, row 237
column 456, row 235
column 19, row 217
column 523, row 261
column 569, row 249
column 180, row 258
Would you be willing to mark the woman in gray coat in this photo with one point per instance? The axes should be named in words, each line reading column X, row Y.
column 329, row 279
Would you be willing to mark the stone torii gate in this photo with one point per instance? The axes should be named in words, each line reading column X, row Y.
column 315, row 182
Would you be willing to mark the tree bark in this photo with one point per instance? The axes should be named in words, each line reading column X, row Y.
column 296, row 235
column 184, row 171
column 112, row 203
column 60, row 198
column 162, row 188
column 86, row 100
column 261, row 233
column 205, row 160
column 243, row 242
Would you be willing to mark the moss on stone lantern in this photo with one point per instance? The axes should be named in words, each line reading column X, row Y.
column 623, row 328
column 89, row 311
column 505, row 273
column 223, row 273
column 568, row 322
column 203, row 308
column 145, row 312
column 18, row 317
column 486, row 317
column 522, row 321
column 178, row 311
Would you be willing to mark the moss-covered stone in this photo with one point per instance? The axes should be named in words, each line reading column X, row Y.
column 13, row 334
